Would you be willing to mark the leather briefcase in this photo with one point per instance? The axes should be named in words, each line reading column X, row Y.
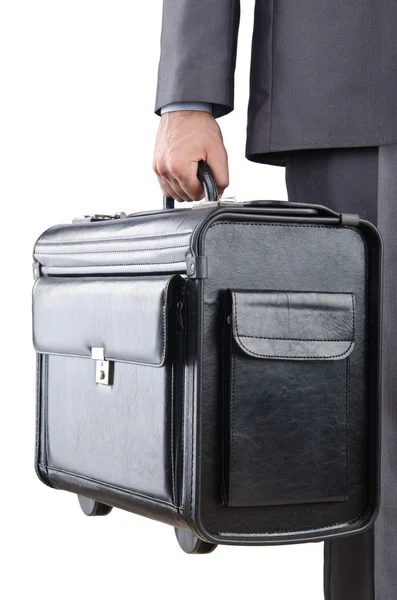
column 214, row 367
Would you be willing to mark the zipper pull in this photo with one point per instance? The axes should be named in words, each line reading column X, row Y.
column 95, row 217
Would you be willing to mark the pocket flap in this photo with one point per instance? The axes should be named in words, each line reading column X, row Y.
column 127, row 317
column 293, row 325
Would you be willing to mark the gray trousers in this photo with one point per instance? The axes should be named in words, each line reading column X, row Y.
column 363, row 181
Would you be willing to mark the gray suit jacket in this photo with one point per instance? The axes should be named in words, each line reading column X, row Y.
column 323, row 72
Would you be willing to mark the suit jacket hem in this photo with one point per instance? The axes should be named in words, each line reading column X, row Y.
column 277, row 156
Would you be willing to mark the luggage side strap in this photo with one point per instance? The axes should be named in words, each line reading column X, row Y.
column 349, row 220
column 197, row 267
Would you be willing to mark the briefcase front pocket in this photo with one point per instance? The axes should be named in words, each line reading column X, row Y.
column 286, row 397
column 111, row 385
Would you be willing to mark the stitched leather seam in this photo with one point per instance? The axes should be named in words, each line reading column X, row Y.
column 38, row 409
column 300, row 533
column 193, row 403
column 347, row 428
column 232, row 430
column 39, row 428
column 252, row 353
column 313, row 357
column 348, row 390
column 181, row 456
column 217, row 224
column 345, row 527
column 260, row 337
column 113, row 487
column 45, row 407
column 110, row 251
column 112, row 239
column 354, row 314
column 177, row 262
column 172, row 445
column 165, row 296
column 109, row 358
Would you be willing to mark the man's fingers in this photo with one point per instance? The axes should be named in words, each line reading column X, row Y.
column 189, row 182
column 178, row 189
column 169, row 173
column 181, row 177
column 167, row 189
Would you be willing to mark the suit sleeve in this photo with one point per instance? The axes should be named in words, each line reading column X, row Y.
column 198, row 53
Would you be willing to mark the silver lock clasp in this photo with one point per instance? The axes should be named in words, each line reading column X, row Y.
column 103, row 367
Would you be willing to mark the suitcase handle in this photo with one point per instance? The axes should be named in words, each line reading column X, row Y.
column 206, row 179
column 271, row 207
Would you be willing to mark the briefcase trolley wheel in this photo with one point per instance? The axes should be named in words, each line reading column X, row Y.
column 92, row 508
column 192, row 544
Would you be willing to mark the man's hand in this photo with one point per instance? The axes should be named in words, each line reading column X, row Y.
column 184, row 138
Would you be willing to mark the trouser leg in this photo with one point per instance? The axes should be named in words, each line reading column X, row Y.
column 385, row 539
column 363, row 181
column 344, row 180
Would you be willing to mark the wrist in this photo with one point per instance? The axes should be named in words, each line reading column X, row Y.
column 186, row 114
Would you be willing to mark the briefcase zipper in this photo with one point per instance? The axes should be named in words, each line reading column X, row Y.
column 179, row 400
column 225, row 418
column 179, row 318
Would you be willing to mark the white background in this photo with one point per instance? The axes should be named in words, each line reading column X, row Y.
column 77, row 88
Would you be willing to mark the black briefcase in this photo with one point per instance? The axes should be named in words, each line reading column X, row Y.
column 215, row 368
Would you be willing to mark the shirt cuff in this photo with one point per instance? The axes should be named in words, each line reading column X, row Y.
column 174, row 106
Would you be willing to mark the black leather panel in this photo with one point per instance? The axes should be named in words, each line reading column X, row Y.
column 122, row 439
column 293, row 325
column 113, row 252
column 126, row 317
column 142, row 243
column 286, row 419
column 119, row 434
column 299, row 258
column 114, row 496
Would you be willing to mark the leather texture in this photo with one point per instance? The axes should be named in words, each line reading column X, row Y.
column 287, row 394
column 293, row 325
column 144, row 243
column 153, row 242
column 98, row 432
column 126, row 317
column 252, row 253
column 154, row 442
column 121, row 438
